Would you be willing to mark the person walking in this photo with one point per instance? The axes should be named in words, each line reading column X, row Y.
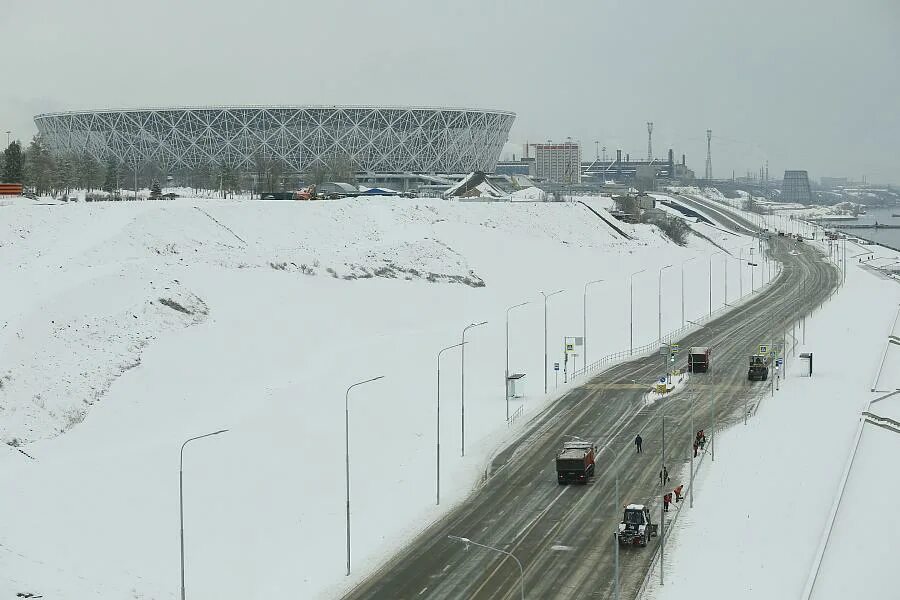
column 664, row 476
column 637, row 442
column 695, row 448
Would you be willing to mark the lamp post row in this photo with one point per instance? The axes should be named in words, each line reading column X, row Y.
column 461, row 345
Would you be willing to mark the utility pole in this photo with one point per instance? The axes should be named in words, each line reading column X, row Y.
column 546, row 297
column 662, row 513
column 709, row 155
column 649, row 141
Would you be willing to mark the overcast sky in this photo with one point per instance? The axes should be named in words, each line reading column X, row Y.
column 803, row 84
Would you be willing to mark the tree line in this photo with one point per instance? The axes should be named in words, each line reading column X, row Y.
column 49, row 173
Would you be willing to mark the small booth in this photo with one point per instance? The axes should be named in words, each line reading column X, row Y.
column 515, row 386
column 808, row 357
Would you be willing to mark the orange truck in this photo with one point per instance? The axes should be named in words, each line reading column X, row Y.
column 575, row 462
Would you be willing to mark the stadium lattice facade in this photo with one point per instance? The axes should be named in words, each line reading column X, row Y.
column 303, row 138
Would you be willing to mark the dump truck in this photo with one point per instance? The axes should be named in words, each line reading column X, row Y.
column 636, row 527
column 575, row 462
column 759, row 367
column 698, row 359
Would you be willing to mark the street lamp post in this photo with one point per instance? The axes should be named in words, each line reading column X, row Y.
column 710, row 279
column 467, row 541
column 682, row 287
column 631, row 311
column 181, row 496
column 462, row 391
column 584, row 322
column 659, row 303
column 662, row 484
column 347, row 455
column 546, row 296
column 438, row 434
column 506, row 380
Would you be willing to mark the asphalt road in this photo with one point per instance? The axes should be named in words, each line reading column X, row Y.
column 563, row 534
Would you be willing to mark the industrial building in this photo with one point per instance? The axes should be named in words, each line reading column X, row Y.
column 626, row 170
column 795, row 187
column 372, row 140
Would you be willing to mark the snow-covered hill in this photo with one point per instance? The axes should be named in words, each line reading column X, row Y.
column 133, row 326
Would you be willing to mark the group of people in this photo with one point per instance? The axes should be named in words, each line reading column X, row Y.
column 699, row 441
column 667, row 497
column 699, row 444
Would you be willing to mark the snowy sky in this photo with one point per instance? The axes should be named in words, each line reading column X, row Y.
column 802, row 84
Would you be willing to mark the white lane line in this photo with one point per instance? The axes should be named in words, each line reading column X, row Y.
column 541, row 514
column 424, row 589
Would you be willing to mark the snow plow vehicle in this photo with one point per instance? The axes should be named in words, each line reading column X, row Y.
column 759, row 367
column 636, row 527
column 575, row 462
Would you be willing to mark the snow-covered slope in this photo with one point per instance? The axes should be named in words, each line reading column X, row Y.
column 134, row 326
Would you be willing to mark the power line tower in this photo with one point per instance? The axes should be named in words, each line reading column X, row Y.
column 708, row 154
column 649, row 141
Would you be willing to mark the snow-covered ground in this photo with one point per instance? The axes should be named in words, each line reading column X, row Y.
column 133, row 326
column 761, row 509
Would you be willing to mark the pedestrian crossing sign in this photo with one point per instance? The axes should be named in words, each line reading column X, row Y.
column 763, row 349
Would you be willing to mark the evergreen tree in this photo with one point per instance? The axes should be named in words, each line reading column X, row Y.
column 230, row 181
column 155, row 190
column 111, row 179
column 40, row 167
column 64, row 175
column 13, row 166
column 89, row 172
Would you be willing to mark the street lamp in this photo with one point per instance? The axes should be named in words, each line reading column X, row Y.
column 462, row 391
column 467, row 542
column 546, row 296
column 506, row 381
column 631, row 311
column 181, row 495
column 741, row 270
column 584, row 322
column 659, row 298
column 438, row 437
column 710, row 279
column 682, row 287
column 347, row 448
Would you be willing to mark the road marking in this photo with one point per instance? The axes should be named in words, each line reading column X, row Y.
column 561, row 548
column 424, row 589
column 540, row 514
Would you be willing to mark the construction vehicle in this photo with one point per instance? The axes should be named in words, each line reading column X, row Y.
column 575, row 462
column 698, row 359
column 759, row 367
column 636, row 527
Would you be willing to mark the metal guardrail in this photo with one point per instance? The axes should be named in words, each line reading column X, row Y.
column 887, row 346
column 515, row 416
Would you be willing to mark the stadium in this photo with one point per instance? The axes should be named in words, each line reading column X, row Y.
column 303, row 138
